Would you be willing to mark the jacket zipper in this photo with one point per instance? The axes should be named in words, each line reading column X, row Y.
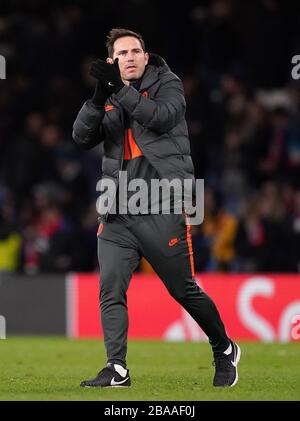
column 105, row 217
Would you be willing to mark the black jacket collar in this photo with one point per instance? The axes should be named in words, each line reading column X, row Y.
column 154, row 68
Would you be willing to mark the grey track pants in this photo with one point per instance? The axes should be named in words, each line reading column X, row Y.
column 165, row 241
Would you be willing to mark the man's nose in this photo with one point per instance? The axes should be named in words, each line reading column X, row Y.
column 130, row 57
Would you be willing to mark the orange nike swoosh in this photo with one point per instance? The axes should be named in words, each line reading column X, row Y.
column 173, row 241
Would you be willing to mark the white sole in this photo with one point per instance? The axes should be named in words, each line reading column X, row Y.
column 95, row 387
column 124, row 387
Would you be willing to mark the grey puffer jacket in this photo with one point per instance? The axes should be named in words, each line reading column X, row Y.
column 156, row 115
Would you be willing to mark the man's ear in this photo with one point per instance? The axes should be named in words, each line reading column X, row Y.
column 146, row 58
column 109, row 60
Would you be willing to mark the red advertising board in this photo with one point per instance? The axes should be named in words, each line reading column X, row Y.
column 253, row 307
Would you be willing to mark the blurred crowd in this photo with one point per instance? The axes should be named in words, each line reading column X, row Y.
column 243, row 114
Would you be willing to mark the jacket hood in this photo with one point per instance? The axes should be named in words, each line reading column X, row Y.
column 157, row 61
column 155, row 67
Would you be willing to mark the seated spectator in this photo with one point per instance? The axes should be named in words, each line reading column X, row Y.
column 250, row 238
column 10, row 239
column 218, row 233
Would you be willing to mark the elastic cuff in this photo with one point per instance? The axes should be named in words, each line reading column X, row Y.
column 95, row 105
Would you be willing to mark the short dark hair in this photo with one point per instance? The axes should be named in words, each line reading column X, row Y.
column 117, row 33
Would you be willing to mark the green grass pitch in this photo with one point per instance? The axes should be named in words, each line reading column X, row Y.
column 51, row 368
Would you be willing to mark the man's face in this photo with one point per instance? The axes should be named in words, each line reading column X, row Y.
column 132, row 58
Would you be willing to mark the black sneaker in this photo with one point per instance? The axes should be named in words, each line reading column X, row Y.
column 114, row 375
column 226, row 366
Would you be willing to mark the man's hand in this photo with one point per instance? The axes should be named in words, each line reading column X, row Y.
column 100, row 95
column 108, row 75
